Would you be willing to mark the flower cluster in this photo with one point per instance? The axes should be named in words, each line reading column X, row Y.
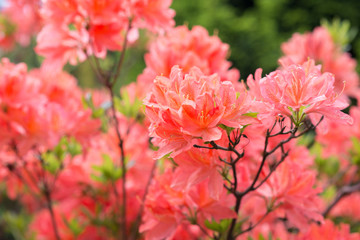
column 19, row 21
column 186, row 48
column 299, row 90
column 168, row 209
column 38, row 112
column 74, row 30
column 320, row 46
column 184, row 107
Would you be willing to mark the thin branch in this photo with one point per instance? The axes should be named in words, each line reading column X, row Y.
column 139, row 215
column 123, row 164
column 253, row 186
column 122, row 56
column 343, row 191
column 47, row 194
column 204, row 231
column 234, row 220
column 337, row 177
column 31, row 176
column 284, row 155
column 252, row 226
column 21, row 178
column 97, row 69
column 49, row 204
column 217, row 147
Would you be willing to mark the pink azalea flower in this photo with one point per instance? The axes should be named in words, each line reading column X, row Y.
column 21, row 20
column 195, row 166
column 186, row 48
column 39, row 112
column 187, row 231
column 65, row 113
column 65, row 46
column 166, row 208
column 206, row 207
column 319, row 45
column 75, row 29
column 65, row 212
column 328, row 231
column 337, row 140
column 105, row 37
column 302, row 89
column 253, row 84
column 291, row 193
column 154, row 15
column 163, row 211
column 348, row 207
column 184, row 107
column 15, row 89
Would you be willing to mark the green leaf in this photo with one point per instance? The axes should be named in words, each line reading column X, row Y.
column 98, row 112
column 74, row 147
column 306, row 139
column 329, row 193
column 213, row 225
column 51, row 163
column 96, row 177
column 341, row 32
column 316, row 149
column 356, row 144
column 329, row 166
column 298, row 116
column 355, row 151
column 74, row 226
column 131, row 108
column 71, row 27
column 107, row 171
column 251, row 114
column 226, row 128
column 88, row 101
column 60, row 151
column 332, row 166
column 261, row 237
column 54, row 158
column 17, row 224
column 220, row 227
column 8, row 28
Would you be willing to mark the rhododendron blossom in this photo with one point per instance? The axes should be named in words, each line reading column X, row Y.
column 320, row 46
column 186, row 48
column 91, row 27
column 339, row 140
column 329, row 231
column 297, row 90
column 184, row 107
column 179, row 206
column 21, row 19
column 196, row 165
column 292, row 195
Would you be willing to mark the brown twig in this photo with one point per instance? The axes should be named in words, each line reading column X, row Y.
column 109, row 81
column 49, row 204
column 343, row 191
column 139, row 215
column 252, row 226
column 122, row 55
column 253, row 186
